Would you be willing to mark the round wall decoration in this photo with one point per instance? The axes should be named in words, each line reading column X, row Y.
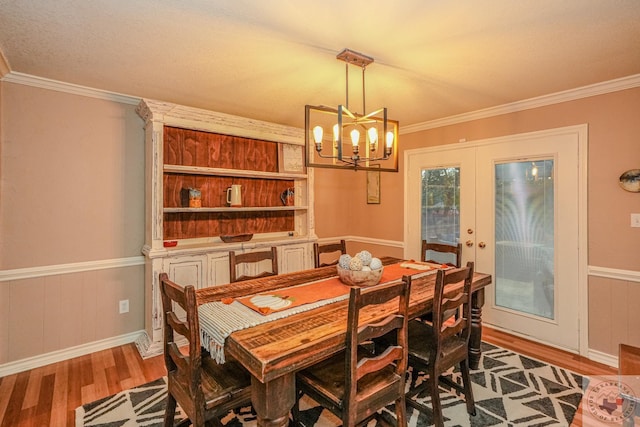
column 630, row 180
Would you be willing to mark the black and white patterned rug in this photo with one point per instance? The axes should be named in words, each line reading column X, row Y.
column 509, row 389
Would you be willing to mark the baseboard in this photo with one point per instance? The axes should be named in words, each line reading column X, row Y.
column 600, row 357
column 593, row 355
column 528, row 337
column 67, row 353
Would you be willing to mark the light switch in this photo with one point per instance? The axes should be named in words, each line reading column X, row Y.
column 635, row 219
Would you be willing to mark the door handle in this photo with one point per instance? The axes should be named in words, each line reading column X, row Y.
column 482, row 245
column 469, row 243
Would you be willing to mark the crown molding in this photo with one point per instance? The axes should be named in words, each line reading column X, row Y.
column 43, row 83
column 601, row 88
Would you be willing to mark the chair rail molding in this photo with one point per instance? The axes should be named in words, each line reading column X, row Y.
column 76, row 267
column 614, row 273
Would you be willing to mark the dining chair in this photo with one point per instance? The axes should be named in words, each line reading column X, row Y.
column 442, row 248
column 204, row 389
column 255, row 258
column 356, row 384
column 438, row 347
column 326, row 249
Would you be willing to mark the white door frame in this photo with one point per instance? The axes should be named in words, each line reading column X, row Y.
column 582, row 133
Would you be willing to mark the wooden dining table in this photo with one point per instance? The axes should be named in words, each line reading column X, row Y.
column 273, row 352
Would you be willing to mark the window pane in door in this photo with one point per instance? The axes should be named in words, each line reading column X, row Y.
column 524, row 237
column 441, row 209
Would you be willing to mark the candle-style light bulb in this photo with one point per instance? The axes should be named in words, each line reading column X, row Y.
column 317, row 137
column 336, row 135
column 317, row 134
column 389, row 143
column 355, row 139
column 373, row 138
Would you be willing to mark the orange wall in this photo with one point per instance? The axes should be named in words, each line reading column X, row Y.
column 614, row 147
column 71, row 192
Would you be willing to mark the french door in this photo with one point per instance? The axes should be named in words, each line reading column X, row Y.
column 515, row 205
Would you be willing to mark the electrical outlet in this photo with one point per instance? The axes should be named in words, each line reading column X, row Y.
column 635, row 220
column 124, row 306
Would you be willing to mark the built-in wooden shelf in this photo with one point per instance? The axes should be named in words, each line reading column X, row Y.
column 240, row 209
column 199, row 170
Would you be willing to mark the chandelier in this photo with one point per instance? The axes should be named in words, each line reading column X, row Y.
column 343, row 139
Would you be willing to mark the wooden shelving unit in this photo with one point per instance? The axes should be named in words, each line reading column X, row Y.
column 188, row 148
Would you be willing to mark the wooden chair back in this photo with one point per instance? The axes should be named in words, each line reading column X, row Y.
column 183, row 365
column 442, row 344
column 204, row 389
column 328, row 248
column 442, row 248
column 446, row 303
column 390, row 362
column 235, row 260
column 359, row 382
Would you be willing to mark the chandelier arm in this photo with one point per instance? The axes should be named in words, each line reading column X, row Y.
column 364, row 110
column 346, row 67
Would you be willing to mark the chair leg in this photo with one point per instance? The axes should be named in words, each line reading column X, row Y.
column 435, row 401
column 170, row 411
column 401, row 412
column 295, row 411
column 468, row 392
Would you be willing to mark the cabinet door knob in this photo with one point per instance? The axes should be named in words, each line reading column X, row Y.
column 482, row 245
column 469, row 243
column 469, row 230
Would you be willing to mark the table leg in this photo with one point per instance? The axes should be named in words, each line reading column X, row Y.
column 475, row 341
column 273, row 400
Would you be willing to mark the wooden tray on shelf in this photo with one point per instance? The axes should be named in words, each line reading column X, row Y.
column 236, row 238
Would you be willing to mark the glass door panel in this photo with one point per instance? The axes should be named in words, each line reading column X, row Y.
column 440, row 217
column 516, row 205
column 524, row 237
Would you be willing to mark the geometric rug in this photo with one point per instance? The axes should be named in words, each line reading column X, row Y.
column 509, row 389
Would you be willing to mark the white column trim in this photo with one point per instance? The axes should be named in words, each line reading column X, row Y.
column 4, row 65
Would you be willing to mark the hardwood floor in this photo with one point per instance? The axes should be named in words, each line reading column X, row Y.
column 48, row 396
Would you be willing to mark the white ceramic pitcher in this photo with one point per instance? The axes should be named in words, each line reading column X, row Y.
column 234, row 195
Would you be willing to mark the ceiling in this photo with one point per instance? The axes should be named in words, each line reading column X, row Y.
column 267, row 59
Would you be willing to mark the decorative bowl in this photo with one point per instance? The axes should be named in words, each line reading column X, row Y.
column 359, row 278
column 236, row 237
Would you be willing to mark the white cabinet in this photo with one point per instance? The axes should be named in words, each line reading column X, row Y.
column 186, row 270
column 218, row 268
column 188, row 148
column 294, row 258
